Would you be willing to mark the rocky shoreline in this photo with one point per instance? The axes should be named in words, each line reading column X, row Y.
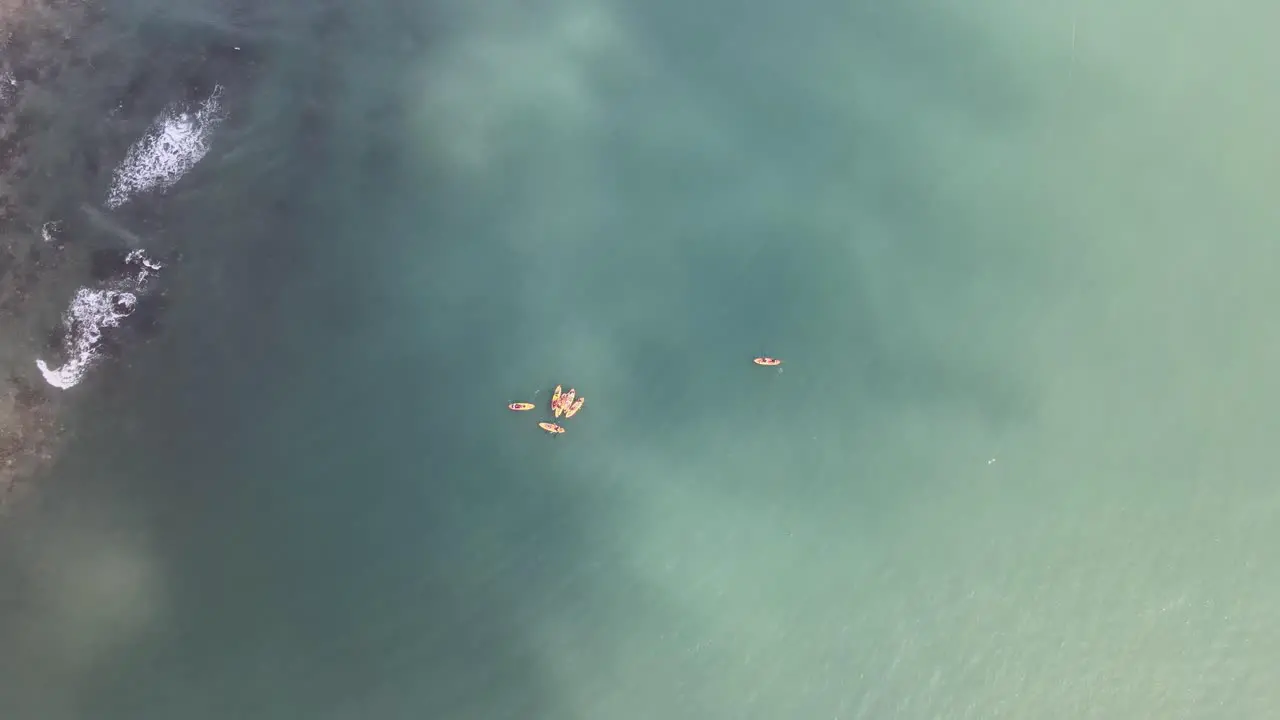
column 57, row 248
column 36, row 44
column 100, row 116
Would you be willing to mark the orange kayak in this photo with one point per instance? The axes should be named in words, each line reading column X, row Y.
column 574, row 408
column 767, row 361
column 552, row 428
column 519, row 407
column 555, row 401
column 566, row 401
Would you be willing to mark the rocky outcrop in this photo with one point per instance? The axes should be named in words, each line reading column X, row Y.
column 37, row 43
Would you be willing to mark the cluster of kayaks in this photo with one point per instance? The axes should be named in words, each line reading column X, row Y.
column 567, row 404
column 563, row 405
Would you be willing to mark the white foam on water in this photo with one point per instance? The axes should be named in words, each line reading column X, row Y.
column 148, row 266
column 177, row 140
column 92, row 310
column 8, row 88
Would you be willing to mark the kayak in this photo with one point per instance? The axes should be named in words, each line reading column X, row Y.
column 519, row 407
column 552, row 428
column 555, row 401
column 574, row 408
column 566, row 401
column 767, row 361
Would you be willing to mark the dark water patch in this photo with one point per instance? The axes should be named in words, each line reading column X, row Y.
column 135, row 73
column 106, row 265
column 142, row 321
column 319, row 555
column 315, row 520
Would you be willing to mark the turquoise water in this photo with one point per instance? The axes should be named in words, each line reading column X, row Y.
column 1016, row 464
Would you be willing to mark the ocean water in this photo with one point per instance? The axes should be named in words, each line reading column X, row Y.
column 1018, row 462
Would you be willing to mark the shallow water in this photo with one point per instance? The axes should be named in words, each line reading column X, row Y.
column 1016, row 463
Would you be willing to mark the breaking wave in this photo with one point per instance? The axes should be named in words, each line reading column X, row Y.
column 177, row 140
column 92, row 310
